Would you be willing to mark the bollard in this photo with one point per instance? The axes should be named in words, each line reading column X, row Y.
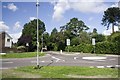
column 60, row 51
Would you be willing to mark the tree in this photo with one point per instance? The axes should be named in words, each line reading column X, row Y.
column 29, row 34
column 54, row 31
column 94, row 31
column 99, row 37
column 111, row 16
column 74, row 27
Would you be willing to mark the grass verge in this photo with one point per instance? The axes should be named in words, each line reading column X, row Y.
column 21, row 55
column 61, row 72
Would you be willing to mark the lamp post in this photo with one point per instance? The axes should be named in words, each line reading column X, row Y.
column 37, row 5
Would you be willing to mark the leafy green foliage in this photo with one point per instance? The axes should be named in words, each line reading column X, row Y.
column 85, row 48
column 111, row 16
column 29, row 34
column 106, row 48
column 74, row 27
column 98, row 37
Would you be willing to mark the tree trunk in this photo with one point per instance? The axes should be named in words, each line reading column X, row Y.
column 113, row 28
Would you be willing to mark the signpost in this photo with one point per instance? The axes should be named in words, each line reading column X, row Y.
column 93, row 43
column 68, row 43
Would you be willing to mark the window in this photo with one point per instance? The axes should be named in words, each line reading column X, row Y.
column 8, row 40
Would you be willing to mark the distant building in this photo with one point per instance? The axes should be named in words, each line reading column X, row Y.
column 5, row 42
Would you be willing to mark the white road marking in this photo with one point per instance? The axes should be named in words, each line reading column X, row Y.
column 43, row 61
column 57, row 59
column 75, row 58
column 36, row 61
column 112, row 55
column 93, row 58
column 109, row 66
column 63, row 60
column 117, row 65
column 100, row 66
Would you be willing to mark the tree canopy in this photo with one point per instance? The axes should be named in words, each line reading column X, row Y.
column 111, row 16
column 29, row 33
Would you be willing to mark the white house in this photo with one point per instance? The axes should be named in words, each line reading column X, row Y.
column 5, row 41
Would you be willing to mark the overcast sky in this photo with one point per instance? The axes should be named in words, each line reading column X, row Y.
column 53, row 14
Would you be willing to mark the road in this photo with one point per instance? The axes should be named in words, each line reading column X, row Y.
column 57, row 59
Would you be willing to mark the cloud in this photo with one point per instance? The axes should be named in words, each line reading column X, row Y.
column 32, row 18
column 109, row 31
column 15, row 36
column 11, row 6
column 115, row 5
column 17, row 25
column 83, row 6
column 60, row 8
column 3, row 26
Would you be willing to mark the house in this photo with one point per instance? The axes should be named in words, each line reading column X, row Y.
column 5, row 42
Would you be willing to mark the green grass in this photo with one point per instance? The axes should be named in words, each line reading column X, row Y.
column 65, row 72
column 21, row 55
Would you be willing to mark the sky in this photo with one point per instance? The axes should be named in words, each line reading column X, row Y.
column 14, row 14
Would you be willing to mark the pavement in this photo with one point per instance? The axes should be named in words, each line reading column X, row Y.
column 64, row 59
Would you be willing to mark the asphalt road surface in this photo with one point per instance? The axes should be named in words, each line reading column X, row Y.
column 58, row 59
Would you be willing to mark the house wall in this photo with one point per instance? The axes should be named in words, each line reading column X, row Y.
column 8, row 41
column 0, row 42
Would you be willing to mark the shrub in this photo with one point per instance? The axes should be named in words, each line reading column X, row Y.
column 86, row 48
column 106, row 48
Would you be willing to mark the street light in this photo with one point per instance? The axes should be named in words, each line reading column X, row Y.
column 37, row 5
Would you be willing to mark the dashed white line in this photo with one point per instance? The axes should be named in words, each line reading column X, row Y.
column 75, row 58
column 100, row 66
column 109, row 66
column 117, row 65
column 36, row 61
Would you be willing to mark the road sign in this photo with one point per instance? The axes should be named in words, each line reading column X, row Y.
column 68, row 42
column 93, row 41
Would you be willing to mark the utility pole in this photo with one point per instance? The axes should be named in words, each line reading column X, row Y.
column 37, row 5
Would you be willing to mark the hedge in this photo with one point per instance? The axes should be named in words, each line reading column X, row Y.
column 100, row 48
column 107, row 48
column 85, row 48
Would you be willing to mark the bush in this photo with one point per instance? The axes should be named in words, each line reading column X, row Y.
column 85, row 48
column 21, row 48
column 106, row 48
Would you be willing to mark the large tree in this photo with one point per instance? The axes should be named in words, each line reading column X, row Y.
column 111, row 16
column 74, row 27
column 29, row 34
